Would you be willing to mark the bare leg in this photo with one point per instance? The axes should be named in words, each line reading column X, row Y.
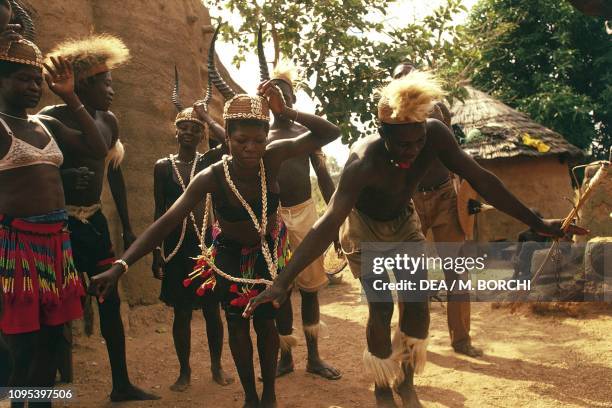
column 310, row 321
column 284, row 322
column 214, row 332
column 112, row 331
column 414, row 320
column 378, row 334
column 242, row 352
column 181, row 333
column 267, row 347
column 34, row 358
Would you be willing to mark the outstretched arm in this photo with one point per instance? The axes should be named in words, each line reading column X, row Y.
column 153, row 236
column 325, row 230
column 486, row 183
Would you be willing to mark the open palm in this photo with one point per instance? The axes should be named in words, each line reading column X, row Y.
column 60, row 76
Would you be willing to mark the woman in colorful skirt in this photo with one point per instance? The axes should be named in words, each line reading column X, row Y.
column 40, row 289
column 250, row 248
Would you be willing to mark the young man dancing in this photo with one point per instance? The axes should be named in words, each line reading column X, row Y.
column 380, row 177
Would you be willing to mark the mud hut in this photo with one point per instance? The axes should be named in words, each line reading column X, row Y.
column 532, row 160
column 159, row 35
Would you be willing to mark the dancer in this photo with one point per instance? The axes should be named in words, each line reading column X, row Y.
column 251, row 246
column 380, row 177
column 436, row 204
column 93, row 58
column 299, row 213
column 175, row 261
column 40, row 289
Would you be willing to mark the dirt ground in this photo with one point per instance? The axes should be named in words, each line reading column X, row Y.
column 530, row 361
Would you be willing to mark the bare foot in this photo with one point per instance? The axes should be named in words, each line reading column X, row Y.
column 285, row 365
column 408, row 395
column 251, row 403
column 384, row 398
column 320, row 367
column 221, row 378
column 468, row 350
column 132, row 393
column 268, row 403
column 182, row 383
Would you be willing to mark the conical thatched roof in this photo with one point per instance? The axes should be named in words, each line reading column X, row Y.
column 502, row 129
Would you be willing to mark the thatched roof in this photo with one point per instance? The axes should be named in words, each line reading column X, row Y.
column 502, row 129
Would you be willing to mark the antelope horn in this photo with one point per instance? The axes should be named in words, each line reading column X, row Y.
column 29, row 30
column 208, row 94
column 176, row 100
column 227, row 92
column 264, row 74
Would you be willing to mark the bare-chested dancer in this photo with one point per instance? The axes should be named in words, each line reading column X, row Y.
column 436, row 203
column 380, row 177
column 93, row 58
column 299, row 213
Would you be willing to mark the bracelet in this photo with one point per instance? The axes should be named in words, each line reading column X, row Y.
column 123, row 263
column 79, row 108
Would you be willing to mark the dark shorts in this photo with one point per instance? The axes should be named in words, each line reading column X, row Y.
column 91, row 244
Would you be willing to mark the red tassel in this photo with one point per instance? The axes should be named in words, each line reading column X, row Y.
column 200, row 291
column 234, row 288
column 187, row 282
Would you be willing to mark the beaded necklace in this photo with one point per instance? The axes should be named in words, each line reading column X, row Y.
column 200, row 234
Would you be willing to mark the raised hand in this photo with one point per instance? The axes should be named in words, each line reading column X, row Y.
column 60, row 77
column 275, row 97
column 199, row 107
column 11, row 33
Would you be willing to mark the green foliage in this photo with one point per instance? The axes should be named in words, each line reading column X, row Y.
column 346, row 52
column 552, row 63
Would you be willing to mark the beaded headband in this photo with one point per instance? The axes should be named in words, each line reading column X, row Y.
column 21, row 51
column 244, row 106
column 188, row 115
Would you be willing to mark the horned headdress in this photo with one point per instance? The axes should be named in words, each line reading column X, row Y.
column 22, row 17
column 237, row 106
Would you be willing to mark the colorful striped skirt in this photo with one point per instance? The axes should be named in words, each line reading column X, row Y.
column 39, row 284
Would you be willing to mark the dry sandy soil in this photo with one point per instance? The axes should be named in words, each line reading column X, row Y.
column 530, row 361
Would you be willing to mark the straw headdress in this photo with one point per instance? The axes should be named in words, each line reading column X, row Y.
column 92, row 55
column 409, row 99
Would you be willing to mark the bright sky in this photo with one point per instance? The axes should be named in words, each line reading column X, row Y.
column 247, row 75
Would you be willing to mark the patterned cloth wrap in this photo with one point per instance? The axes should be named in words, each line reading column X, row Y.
column 39, row 283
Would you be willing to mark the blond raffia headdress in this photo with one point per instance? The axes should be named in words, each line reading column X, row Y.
column 21, row 51
column 92, row 55
column 409, row 99
column 286, row 71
